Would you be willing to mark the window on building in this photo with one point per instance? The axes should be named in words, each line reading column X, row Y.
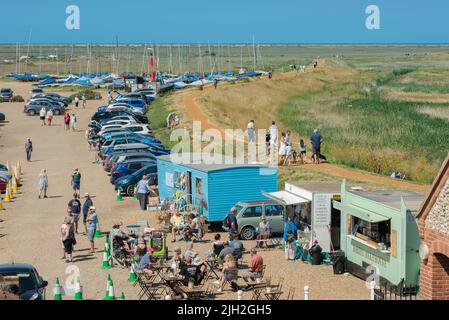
column 375, row 233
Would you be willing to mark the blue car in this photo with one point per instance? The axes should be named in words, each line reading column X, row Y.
column 147, row 139
column 135, row 102
column 128, row 167
column 30, row 285
column 127, row 183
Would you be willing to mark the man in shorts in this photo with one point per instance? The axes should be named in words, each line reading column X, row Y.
column 316, row 139
column 87, row 204
column 76, row 182
column 255, row 267
column 75, row 206
column 92, row 221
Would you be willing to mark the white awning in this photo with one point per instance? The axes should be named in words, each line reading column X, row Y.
column 286, row 198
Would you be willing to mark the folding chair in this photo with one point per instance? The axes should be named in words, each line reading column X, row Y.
column 291, row 293
column 257, row 294
column 231, row 274
column 209, row 294
column 280, row 284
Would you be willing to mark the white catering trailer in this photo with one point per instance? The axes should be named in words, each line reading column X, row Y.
column 312, row 203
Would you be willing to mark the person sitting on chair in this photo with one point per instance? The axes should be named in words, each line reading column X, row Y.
column 120, row 235
column 140, row 251
column 230, row 263
column 264, row 232
column 255, row 267
column 237, row 245
column 145, row 262
column 217, row 246
column 177, row 224
column 189, row 272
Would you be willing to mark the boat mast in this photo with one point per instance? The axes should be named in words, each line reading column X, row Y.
column 17, row 57
column 254, row 55
column 28, row 51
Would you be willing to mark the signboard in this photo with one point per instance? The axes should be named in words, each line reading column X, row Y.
column 321, row 219
column 169, row 179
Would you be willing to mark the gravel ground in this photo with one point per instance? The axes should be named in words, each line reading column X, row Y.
column 31, row 226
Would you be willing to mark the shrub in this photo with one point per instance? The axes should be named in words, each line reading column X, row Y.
column 17, row 99
column 89, row 94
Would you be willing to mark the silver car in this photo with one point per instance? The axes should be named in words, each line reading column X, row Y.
column 249, row 214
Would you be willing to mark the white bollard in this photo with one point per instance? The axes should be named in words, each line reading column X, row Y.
column 372, row 286
column 240, row 295
column 306, row 292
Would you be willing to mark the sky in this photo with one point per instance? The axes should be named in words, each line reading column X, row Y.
column 225, row 21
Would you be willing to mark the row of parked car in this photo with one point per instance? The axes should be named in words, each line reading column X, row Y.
column 125, row 141
column 48, row 100
column 136, row 102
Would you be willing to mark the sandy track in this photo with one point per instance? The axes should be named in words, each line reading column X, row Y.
column 196, row 113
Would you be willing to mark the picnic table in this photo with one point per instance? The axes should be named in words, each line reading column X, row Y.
column 157, row 268
column 176, row 285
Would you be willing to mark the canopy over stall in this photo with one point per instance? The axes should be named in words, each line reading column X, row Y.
column 286, row 198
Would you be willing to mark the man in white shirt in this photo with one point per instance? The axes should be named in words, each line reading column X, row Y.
column 142, row 190
column 251, row 132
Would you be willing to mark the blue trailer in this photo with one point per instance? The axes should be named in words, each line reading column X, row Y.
column 214, row 188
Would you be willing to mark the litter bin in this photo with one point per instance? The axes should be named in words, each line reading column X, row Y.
column 315, row 252
column 338, row 262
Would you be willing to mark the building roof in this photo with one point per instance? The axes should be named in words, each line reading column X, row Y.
column 392, row 198
column 318, row 186
column 200, row 165
column 437, row 187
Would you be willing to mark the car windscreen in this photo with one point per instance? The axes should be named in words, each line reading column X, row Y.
column 26, row 279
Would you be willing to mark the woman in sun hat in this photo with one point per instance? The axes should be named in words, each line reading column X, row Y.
column 92, row 221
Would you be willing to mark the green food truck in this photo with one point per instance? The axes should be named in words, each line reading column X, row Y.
column 379, row 234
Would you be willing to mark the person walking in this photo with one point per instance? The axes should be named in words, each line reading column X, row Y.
column 77, row 101
column 316, row 139
column 251, row 132
column 84, row 101
column 75, row 206
column 109, row 97
column 68, row 238
column 49, row 116
column 230, row 223
column 67, row 121
column 28, row 148
column 42, row 114
column 92, row 221
column 273, row 131
column 142, row 191
column 73, row 121
column 87, row 204
column 76, row 182
column 43, row 183
column 215, row 83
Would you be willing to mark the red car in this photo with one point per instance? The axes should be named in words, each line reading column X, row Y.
column 3, row 185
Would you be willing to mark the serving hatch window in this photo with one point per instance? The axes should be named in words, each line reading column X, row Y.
column 375, row 233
